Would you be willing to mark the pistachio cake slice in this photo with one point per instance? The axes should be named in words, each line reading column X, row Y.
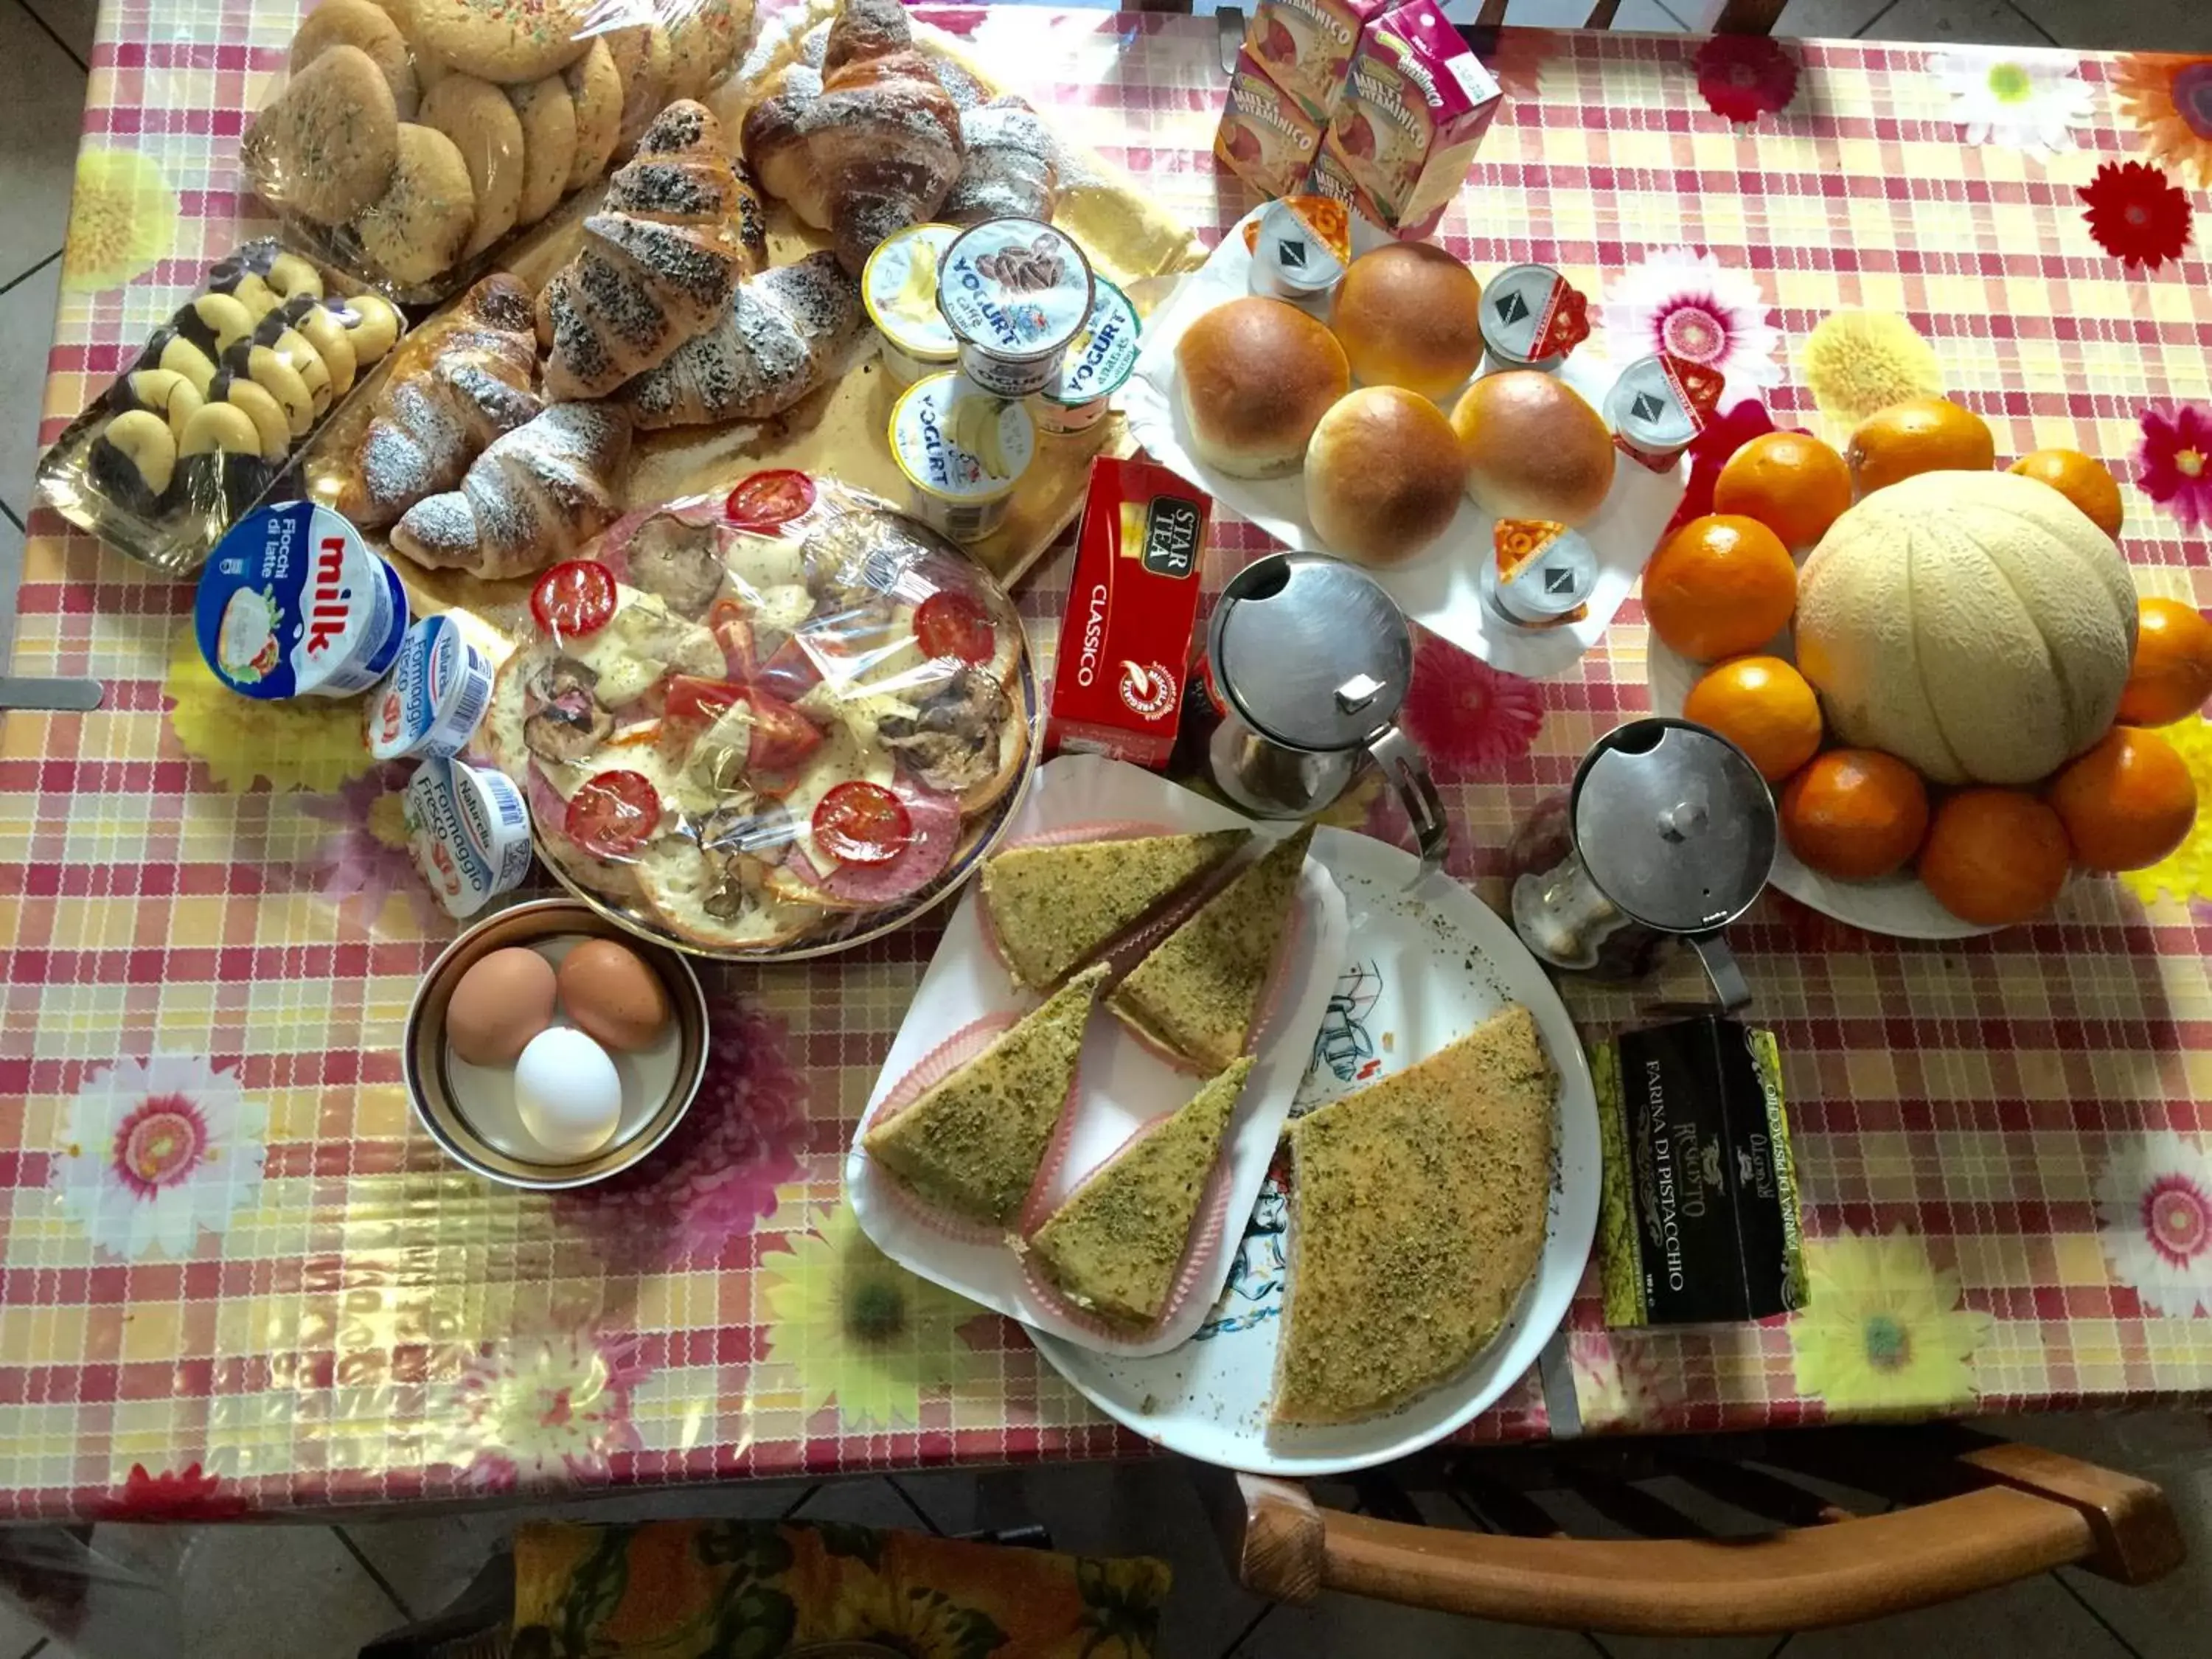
column 1418, row 1208
column 1051, row 906
column 1114, row 1245
column 972, row 1143
column 1198, row 993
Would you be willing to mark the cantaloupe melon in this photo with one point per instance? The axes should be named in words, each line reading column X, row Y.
column 1975, row 624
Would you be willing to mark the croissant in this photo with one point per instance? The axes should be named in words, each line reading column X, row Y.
column 657, row 262
column 875, row 149
column 786, row 331
column 433, row 419
column 535, row 496
column 1010, row 172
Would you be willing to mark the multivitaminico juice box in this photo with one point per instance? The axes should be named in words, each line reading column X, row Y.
column 1266, row 137
column 1306, row 47
column 1415, row 106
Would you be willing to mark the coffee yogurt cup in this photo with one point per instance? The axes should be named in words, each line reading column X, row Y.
column 1015, row 293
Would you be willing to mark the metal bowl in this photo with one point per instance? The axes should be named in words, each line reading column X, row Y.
column 422, row 1052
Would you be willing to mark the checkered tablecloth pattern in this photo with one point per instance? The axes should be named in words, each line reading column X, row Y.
column 365, row 1323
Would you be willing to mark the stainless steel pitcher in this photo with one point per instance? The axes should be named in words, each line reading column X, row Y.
column 1308, row 661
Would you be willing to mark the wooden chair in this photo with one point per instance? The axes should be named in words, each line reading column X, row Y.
column 1738, row 1536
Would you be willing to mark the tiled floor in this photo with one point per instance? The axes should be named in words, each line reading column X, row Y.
column 313, row 1590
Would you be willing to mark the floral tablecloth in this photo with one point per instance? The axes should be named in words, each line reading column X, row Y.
column 235, row 1275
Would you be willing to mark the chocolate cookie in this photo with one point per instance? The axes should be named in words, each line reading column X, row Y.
column 483, row 126
column 358, row 23
column 327, row 146
column 418, row 227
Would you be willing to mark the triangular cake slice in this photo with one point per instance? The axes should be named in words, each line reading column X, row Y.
column 1051, row 906
column 971, row 1144
column 1115, row 1246
column 1198, row 993
column 1418, row 1208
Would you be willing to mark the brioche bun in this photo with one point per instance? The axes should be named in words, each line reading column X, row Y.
column 1255, row 377
column 1383, row 474
column 1409, row 315
column 1534, row 449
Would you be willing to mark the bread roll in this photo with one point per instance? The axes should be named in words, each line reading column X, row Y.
column 1534, row 449
column 1383, row 474
column 1409, row 315
column 1255, row 377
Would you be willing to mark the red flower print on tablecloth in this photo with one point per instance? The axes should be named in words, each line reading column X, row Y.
column 533, row 1410
column 1709, row 453
column 1470, row 719
column 154, row 1151
column 2154, row 1200
column 363, row 860
column 183, row 1494
column 1744, row 76
column 2173, row 462
column 2169, row 99
column 2137, row 214
column 715, row 1176
column 1621, row 1382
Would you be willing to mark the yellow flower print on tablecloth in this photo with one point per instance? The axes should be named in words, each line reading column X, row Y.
column 1882, row 1329
column 123, row 220
column 856, row 1327
column 303, row 743
column 2186, row 873
column 1857, row 361
column 2169, row 99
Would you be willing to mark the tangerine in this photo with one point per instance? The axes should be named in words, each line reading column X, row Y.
column 2171, row 675
column 1719, row 587
column 2081, row 479
column 1994, row 856
column 1764, row 707
column 2127, row 801
column 1921, row 434
column 1854, row 814
column 1790, row 482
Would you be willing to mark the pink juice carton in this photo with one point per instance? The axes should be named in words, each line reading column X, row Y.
column 1306, row 47
column 1415, row 106
column 1266, row 137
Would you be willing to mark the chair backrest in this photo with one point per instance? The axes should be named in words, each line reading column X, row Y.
column 1978, row 1513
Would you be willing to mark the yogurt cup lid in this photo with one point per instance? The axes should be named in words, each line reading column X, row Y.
column 898, row 286
column 1104, row 355
column 294, row 602
column 469, row 832
column 1017, row 288
column 956, row 440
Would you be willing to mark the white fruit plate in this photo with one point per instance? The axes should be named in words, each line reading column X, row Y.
column 1897, row 905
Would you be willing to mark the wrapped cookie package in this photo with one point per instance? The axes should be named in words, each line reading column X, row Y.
column 408, row 142
column 200, row 426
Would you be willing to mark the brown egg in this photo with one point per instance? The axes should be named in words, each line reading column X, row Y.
column 610, row 992
column 501, row 1002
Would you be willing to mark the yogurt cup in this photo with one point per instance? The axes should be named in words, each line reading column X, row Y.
column 962, row 451
column 1542, row 577
column 434, row 698
column 1098, row 365
column 1658, row 406
column 294, row 604
column 1289, row 261
column 898, row 287
column 469, row 833
column 1015, row 293
column 1532, row 317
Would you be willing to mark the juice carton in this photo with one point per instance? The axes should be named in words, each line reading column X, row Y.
column 1132, row 605
column 1413, row 112
column 1265, row 138
column 1306, row 46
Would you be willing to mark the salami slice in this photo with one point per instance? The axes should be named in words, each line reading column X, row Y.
column 936, row 820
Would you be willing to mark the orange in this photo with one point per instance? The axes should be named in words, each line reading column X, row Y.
column 2081, row 479
column 1794, row 484
column 1719, row 587
column 2171, row 675
column 1921, row 434
column 1854, row 814
column 2127, row 802
column 1994, row 856
column 1763, row 706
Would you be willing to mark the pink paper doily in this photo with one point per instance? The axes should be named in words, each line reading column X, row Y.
column 1066, row 835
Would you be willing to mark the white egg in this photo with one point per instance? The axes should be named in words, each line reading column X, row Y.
column 567, row 1092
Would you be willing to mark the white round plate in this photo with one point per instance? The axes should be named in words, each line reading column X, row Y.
column 1424, row 966
column 1897, row 905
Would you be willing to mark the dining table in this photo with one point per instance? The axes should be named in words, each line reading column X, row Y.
column 237, row 1277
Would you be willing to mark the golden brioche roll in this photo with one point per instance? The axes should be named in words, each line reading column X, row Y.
column 1534, row 449
column 1383, row 474
column 1410, row 315
column 1255, row 377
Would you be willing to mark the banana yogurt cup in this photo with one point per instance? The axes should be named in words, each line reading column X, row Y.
column 963, row 450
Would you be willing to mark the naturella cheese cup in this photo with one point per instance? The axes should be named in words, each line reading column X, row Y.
column 432, row 700
column 962, row 451
column 294, row 604
column 469, row 832
column 1017, row 292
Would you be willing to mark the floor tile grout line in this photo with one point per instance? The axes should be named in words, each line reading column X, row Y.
column 804, row 1499
column 919, row 1513
column 36, row 1648
column 1590, row 1637
column 1859, row 33
column 1662, row 5
column 48, row 28
column 370, row 1568
column 1775, row 1652
column 1245, row 1635
column 2129, row 1648
column 23, row 277
column 9, row 513
column 2031, row 24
